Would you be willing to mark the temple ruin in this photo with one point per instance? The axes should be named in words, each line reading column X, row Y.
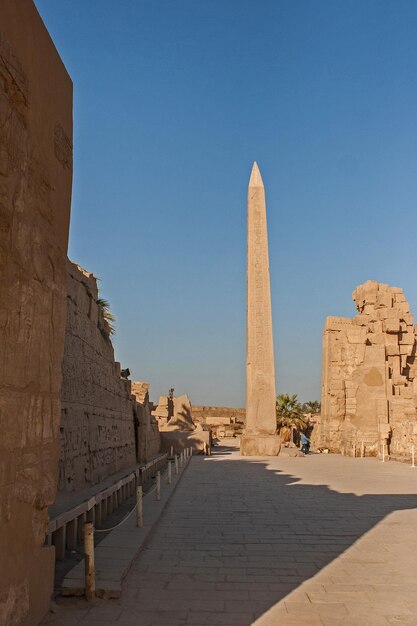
column 223, row 421
column 106, row 423
column 369, row 382
column 177, row 427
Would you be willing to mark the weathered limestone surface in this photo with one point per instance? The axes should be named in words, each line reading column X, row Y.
column 181, row 431
column 215, row 415
column 98, row 410
column 148, row 437
column 223, row 421
column 35, row 196
column 369, row 383
column 260, row 436
column 164, row 410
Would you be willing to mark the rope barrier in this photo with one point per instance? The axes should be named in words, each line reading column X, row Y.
column 106, row 530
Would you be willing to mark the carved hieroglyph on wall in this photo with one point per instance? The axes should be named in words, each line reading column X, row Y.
column 35, row 194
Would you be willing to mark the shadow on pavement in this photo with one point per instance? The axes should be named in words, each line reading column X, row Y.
column 258, row 538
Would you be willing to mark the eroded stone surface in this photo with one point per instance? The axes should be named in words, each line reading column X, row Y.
column 35, row 195
column 223, row 421
column 149, row 439
column 97, row 425
column 369, row 392
column 180, row 431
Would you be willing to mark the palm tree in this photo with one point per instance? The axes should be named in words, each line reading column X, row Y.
column 311, row 406
column 104, row 306
column 289, row 413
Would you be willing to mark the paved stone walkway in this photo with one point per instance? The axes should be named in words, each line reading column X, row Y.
column 324, row 540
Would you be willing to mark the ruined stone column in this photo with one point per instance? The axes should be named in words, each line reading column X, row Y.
column 260, row 437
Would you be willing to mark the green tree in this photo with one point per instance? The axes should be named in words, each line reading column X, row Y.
column 311, row 406
column 289, row 412
column 104, row 306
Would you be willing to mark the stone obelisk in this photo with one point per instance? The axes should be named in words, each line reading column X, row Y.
column 260, row 437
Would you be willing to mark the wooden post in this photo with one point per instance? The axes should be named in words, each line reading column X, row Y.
column 191, row 451
column 176, row 463
column 104, row 509
column 90, row 575
column 412, row 456
column 72, row 534
column 139, row 507
column 97, row 514
column 172, row 451
column 58, row 539
column 169, row 473
column 383, row 452
column 158, row 485
column 362, row 449
column 80, row 527
column 354, row 450
column 90, row 515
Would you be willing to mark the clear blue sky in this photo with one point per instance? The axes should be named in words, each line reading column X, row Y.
column 173, row 101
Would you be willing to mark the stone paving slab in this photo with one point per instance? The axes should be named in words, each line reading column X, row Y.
column 115, row 554
column 324, row 540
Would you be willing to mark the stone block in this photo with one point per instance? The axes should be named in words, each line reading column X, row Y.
column 361, row 319
column 405, row 349
column 257, row 445
column 398, row 379
column 356, row 334
column 374, row 355
column 407, row 392
column 384, row 299
column 391, row 339
column 391, row 325
column 375, row 327
column 376, row 339
column 402, row 307
column 407, row 338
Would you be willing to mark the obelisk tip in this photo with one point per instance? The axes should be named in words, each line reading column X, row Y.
column 255, row 176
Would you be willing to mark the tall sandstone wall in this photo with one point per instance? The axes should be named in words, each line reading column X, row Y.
column 99, row 425
column 369, row 382
column 35, row 196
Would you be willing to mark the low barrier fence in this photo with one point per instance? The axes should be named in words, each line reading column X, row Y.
column 66, row 530
column 89, row 530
